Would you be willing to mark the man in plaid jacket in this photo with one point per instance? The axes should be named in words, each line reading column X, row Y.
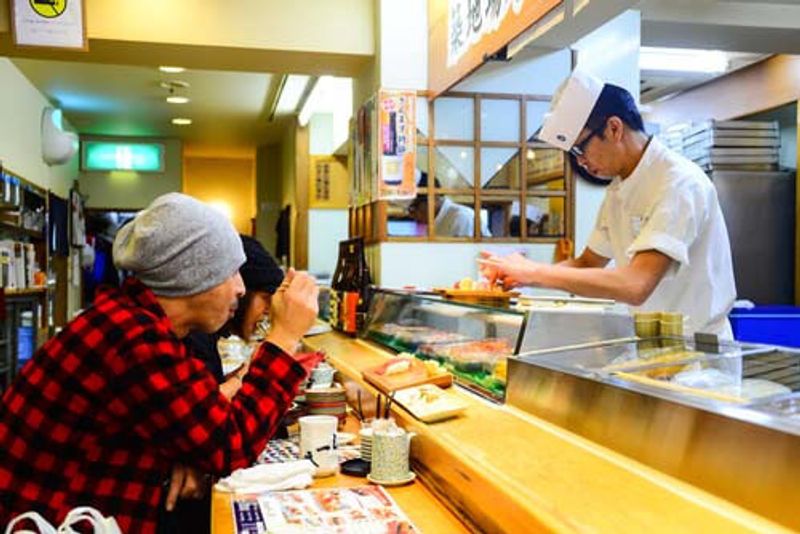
column 107, row 407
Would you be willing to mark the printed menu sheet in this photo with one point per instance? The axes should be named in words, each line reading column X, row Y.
column 357, row 510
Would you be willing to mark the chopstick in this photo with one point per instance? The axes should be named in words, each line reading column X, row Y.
column 389, row 405
column 359, row 409
column 378, row 406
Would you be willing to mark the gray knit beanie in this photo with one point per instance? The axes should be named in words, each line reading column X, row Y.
column 179, row 246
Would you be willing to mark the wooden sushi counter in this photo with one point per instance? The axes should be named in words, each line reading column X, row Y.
column 502, row 470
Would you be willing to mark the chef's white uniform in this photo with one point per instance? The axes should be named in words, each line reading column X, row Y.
column 668, row 204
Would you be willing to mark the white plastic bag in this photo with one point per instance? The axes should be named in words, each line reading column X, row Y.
column 42, row 525
column 87, row 514
column 76, row 517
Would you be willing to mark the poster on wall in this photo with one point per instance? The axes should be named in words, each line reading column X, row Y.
column 77, row 219
column 364, row 163
column 49, row 23
column 328, row 188
column 397, row 145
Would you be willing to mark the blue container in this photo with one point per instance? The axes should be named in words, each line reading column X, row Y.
column 26, row 342
column 776, row 325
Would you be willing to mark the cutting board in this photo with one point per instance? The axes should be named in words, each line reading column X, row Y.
column 476, row 295
column 416, row 375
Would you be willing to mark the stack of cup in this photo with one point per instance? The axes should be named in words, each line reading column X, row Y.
column 366, row 443
column 671, row 326
column 647, row 324
column 647, row 327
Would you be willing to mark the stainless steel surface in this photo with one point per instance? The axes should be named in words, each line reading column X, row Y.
column 547, row 328
column 746, row 453
column 759, row 210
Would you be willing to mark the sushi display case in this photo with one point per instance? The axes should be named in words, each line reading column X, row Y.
column 474, row 340
column 724, row 417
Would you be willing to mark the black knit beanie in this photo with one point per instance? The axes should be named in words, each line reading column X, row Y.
column 260, row 272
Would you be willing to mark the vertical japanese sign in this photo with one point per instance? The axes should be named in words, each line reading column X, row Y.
column 462, row 33
column 51, row 23
column 397, row 144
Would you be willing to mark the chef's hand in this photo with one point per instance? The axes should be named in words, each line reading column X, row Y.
column 293, row 310
column 185, row 483
column 510, row 271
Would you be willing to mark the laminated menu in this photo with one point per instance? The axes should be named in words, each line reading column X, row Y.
column 360, row 509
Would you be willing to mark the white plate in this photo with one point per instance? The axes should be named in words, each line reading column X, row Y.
column 345, row 438
column 440, row 404
column 319, row 328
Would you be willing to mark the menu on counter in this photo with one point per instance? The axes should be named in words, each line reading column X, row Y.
column 358, row 510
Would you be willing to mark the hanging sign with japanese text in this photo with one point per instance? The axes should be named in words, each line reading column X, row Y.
column 397, row 144
column 49, row 23
column 463, row 33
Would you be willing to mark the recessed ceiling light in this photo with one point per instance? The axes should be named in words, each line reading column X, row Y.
column 173, row 99
column 171, row 69
column 181, row 121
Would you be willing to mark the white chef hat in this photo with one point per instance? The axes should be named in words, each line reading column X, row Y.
column 570, row 109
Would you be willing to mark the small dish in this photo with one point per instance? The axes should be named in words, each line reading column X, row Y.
column 410, row 478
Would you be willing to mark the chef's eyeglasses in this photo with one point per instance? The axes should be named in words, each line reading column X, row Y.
column 579, row 149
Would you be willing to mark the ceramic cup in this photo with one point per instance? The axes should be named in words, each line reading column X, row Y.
column 318, row 441
column 322, row 376
column 390, row 455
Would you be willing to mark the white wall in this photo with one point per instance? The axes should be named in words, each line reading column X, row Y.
column 403, row 44
column 320, row 134
column 442, row 264
column 611, row 52
column 21, row 106
column 325, row 229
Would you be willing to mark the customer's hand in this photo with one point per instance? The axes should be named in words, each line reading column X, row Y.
column 185, row 483
column 293, row 311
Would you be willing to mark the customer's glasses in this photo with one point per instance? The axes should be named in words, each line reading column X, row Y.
column 579, row 149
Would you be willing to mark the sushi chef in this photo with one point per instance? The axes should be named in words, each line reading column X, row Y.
column 659, row 240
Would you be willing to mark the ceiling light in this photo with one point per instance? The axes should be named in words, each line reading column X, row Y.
column 682, row 60
column 291, row 92
column 181, row 121
column 173, row 99
column 171, row 70
column 314, row 99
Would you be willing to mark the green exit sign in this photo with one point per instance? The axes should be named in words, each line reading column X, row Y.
column 110, row 156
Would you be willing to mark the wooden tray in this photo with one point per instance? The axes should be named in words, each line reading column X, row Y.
column 476, row 295
column 415, row 376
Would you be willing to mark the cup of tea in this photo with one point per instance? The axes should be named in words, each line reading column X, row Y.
column 322, row 376
column 318, row 442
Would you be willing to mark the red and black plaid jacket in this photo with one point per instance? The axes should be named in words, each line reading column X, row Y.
column 105, row 408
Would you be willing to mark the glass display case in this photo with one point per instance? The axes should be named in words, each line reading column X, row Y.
column 722, row 416
column 473, row 340
column 730, row 373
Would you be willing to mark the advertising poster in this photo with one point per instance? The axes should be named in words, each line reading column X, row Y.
column 397, row 144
